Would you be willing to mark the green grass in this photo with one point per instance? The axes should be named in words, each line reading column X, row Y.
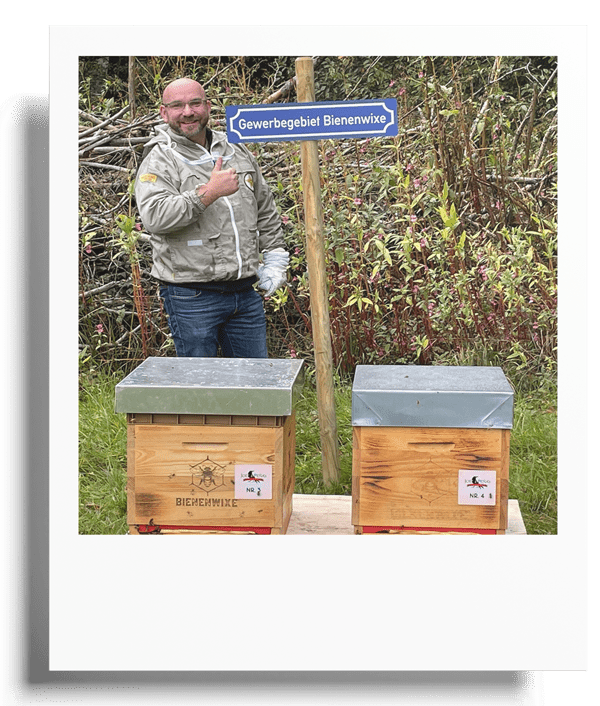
column 102, row 459
column 534, row 460
column 103, row 441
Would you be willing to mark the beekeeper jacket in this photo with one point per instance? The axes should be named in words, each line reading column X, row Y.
column 192, row 242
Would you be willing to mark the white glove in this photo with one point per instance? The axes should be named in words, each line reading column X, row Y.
column 272, row 271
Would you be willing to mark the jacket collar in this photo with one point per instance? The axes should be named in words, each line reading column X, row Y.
column 191, row 152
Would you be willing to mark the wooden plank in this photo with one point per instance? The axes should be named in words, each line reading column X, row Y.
column 331, row 515
column 165, row 419
column 184, row 474
column 409, row 476
column 289, row 471
column 130, row 488
column 356, row 469
column 503, row 492
column 191, row 419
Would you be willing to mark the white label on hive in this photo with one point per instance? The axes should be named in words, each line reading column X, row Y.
column 253, row 482
column 476, row 487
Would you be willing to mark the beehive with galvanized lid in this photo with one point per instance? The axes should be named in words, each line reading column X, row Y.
column 210, row 444
column 431, row 448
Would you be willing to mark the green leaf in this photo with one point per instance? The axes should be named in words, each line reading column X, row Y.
column 418, row 198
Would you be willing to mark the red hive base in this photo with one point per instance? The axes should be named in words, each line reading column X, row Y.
column 157, row 529
column 441, row 530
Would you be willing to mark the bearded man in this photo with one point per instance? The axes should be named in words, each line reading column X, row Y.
column 212, row 219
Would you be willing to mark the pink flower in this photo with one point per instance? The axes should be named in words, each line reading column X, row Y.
column 413, row 218
column 392, row 82
column 285, row 219
column 100, row 328
column 402, row 91
column 358, row 201
column 88, row 248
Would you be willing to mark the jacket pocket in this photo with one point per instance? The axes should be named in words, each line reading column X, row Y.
column 193, row 257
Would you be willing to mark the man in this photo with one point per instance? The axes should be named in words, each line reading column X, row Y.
column 210, row 215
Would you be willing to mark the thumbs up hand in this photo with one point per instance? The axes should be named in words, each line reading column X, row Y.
column 222, row 182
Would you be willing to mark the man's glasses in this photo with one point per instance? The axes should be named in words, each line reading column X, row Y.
column 195, row 104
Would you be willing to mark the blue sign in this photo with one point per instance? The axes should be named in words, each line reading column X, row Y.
column 312, row 121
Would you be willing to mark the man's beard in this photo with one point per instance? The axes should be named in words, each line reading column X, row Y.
column 190, row 134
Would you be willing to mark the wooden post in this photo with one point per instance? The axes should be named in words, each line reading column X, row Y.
column 317, row 278
column 131, row 88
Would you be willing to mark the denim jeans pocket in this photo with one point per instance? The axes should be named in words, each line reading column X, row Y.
column 187, row 293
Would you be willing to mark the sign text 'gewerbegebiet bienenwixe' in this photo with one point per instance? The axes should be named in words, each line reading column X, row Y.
column 312, row 121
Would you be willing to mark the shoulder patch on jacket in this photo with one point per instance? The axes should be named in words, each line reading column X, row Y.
column 148, row 177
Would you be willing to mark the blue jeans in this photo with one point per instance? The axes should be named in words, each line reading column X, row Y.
column 201, row 320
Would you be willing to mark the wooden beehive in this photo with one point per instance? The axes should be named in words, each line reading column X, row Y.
column 210, row 445
column 430, row 449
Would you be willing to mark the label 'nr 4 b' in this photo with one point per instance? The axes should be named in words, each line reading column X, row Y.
column 476, row 487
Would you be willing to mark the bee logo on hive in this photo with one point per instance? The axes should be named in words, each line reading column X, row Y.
column 208, row 475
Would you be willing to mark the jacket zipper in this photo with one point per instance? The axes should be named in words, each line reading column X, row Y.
column 237, row 237
column 238, row 253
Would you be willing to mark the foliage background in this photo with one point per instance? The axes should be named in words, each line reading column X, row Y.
column 441, row 243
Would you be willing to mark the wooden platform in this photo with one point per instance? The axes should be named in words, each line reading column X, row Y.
column 331, row 514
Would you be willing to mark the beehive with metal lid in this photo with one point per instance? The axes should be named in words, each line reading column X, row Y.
column 431, row 449
column 211, row 444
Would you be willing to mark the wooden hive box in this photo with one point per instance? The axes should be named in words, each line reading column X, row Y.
column 210, row 445
column 430, row 449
